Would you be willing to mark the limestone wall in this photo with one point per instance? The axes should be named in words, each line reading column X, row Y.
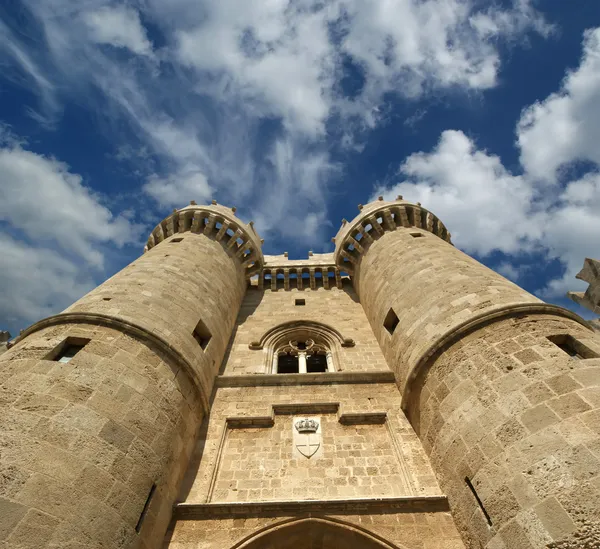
column 482, row 416
column 83, row 442
column 401, row 529
column 339, row 309
column 432, row 287
column 172, row 287
column 520, row 418
column 367, row 457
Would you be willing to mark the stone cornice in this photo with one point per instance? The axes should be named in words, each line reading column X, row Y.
column 364, row 506
column 130, row 328
column 217, row 222
column 325, row 378
column 473, row 323
column 374, row 221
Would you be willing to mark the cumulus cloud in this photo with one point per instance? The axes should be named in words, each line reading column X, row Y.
column 484, row 205
column 53, row 237
column 488, row 208
column 283, row 55
column 42, row 198
column 118, row 26
column 565, row 127
column 37, row 282
column 228, row 68
column 178, row 189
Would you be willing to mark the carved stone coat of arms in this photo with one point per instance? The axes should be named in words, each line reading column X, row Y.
column 307, row 437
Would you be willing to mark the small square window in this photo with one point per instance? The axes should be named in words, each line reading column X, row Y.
column 66, row 350
column 391, row 321
column 202, row 335
column 300, row 301
column 175, row 240
column 416, row 235
column 572, row 346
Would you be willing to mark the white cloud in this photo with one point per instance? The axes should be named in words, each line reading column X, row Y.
column 118, row 26
column 565, row 126
column 509, row 270
column 484, row 205
column 13, row 51
column 488, row 208
column 42, row 198
column 571, row 231
column 227, row 67
column 36, row 282
column 275, row 54
column 281, row 54
column 177, row 190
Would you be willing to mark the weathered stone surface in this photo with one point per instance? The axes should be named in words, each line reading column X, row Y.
column 427, row 385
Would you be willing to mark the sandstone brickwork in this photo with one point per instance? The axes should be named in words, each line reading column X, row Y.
column 392, row 394
column 500, row 387
column 93, row 449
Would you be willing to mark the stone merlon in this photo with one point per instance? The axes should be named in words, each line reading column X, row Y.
column 591, row 297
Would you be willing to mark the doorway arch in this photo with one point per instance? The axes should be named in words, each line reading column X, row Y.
column 314, row 533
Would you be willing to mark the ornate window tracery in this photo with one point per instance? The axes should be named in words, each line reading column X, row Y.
column 301, row 347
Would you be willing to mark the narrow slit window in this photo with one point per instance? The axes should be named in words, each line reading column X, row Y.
column 175, row 240
column 416, row 235
column 202, row 335
column 287, row 364
column 479, row 502
column 300, row 302
column 572, row 346
column 316, row 364
column 144, row 512
column 391, row 321
column 66, row 350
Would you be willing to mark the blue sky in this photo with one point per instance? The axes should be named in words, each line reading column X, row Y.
column 114, row 113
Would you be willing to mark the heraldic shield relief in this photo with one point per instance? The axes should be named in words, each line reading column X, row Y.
column 307, row 436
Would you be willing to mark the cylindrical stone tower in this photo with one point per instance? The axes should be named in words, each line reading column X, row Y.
column 502, row 388
column 100, row 405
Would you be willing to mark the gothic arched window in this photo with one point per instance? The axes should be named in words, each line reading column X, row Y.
column 301, row 347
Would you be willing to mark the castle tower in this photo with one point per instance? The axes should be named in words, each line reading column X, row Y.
column 501, row 388
column 393, row 394
column 101, row 404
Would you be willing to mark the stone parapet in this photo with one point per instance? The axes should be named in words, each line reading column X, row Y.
column 374, row 220
column 318, row 271
column 590, row 299
column 241, row 240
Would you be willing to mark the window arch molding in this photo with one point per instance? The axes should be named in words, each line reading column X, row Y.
column 280, row 336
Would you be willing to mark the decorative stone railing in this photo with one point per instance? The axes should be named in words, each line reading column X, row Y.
column 374, row 221
column 216, row 222
column 300, row 277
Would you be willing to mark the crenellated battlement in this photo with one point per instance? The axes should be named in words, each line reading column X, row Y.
column 219, row 223
column 318, row 271
column 377, row 218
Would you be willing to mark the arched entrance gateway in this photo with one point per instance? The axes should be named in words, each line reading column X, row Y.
column 312, row 533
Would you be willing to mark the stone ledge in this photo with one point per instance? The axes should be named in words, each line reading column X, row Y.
column 406, row 504
column 325, row 378
column 416, row 373
column 133, row 329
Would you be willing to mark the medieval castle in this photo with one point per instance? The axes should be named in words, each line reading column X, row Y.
column 392, row 394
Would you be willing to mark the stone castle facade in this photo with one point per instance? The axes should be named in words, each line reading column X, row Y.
column 392, row 394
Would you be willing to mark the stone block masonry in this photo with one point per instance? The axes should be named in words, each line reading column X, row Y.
column 392, row 394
